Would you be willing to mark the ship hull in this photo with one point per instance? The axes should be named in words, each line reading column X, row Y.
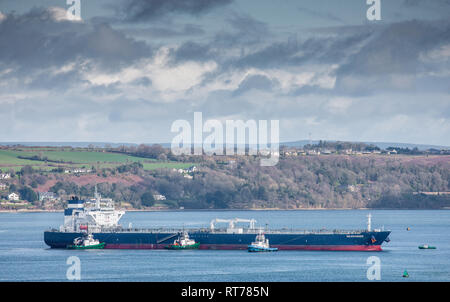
column 364, row 241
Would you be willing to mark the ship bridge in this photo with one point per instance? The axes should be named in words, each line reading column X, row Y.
column 96, row 214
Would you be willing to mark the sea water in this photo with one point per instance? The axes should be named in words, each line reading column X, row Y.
column 25, row 257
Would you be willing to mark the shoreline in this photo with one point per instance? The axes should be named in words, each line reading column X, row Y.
column 227, row 210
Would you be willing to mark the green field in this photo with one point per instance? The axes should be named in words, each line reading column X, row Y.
column 9, row 159
column 86, row 157
column 172, row 165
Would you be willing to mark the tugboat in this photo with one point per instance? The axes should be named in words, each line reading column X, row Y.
column 86, row 243
column 261, row 244
column 426, row 247
column 183, row 242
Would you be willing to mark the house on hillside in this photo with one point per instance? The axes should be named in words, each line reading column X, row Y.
column 393, row 151
column 192, row 169
column 13, row 196
column 77, row 171
column 187, row 172
column 49, row 196
column 3, row 186
column 159, row 197
column 5, row 176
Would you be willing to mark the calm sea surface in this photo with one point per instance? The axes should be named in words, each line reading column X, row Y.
column 25, row 257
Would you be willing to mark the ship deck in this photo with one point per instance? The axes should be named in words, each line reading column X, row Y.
column 222, row 231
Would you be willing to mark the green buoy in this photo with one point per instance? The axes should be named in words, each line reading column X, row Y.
column 426, row 247
column 405, row 274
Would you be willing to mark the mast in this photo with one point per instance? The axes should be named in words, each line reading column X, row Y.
column 369, row 222
column 97, row 198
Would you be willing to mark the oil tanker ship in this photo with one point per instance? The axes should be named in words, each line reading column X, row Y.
column 98, row 217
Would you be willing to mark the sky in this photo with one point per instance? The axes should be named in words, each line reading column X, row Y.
column 128, row 69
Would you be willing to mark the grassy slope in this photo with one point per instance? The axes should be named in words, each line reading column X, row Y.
column 176, row 165
column 78, row 156
column 9, row 160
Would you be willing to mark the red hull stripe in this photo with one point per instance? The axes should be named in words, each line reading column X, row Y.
column 370, row 248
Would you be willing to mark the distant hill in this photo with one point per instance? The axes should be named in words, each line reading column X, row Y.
column 66, row 144
column 300, row 143
column 381, row 145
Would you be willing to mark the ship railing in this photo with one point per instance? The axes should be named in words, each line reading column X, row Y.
column 293, row 231
column 318, row 231
column 153, row 230
column 217, row 230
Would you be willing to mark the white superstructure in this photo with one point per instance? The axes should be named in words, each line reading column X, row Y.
column 93, row 215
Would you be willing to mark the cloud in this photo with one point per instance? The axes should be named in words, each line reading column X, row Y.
column 396, row 49
column 322, row 15
column 96, row 80
column 60, row 14
column 43, row 51
column 258, row 82
column 396, row 58
column 187, row 30
column 147, row 10
column 441, row 4
column 37, row 39
column 247, row 31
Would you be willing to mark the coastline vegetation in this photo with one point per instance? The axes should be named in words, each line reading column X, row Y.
column 133, row 176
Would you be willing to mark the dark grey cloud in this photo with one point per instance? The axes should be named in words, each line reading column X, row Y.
column 246, row 31
column 438, row 3
column 193, row 51
column 147, row 10
column 322, row 15
column 391, row 61
column 285, row 54
column 257, row 82
column 35, row 40
column 396, row 49
column 391, row 78
column 386, row 56
column 187, row 30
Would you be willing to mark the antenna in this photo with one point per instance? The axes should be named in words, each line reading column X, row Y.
column 97, row 198
column 369, row 222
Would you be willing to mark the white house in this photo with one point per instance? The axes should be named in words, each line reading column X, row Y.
column 3, row 186
column 13, row 196
column 77, row 171
column 47, row 196
column 192, row 169
column 159, row 197
column 5, row 176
